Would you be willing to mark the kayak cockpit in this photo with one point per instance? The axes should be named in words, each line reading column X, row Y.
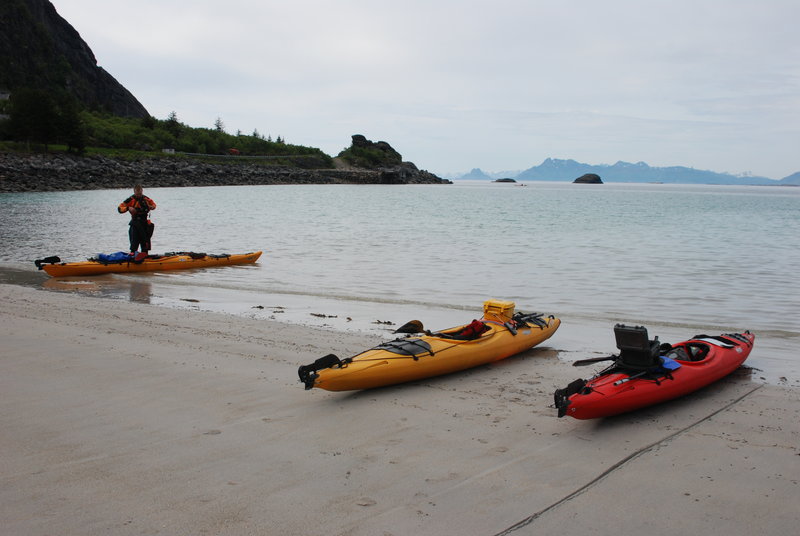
column 691, row 352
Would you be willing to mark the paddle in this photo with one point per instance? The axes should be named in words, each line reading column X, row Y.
column 630, row 378
column 412, row 326
column 584, row 362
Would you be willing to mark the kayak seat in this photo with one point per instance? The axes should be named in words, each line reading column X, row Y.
column 697, row 352
column 688, row 352
column 471, row 331
column 637, row 351
column 677, row 353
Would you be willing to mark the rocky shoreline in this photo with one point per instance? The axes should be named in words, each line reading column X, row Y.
column 60, row 172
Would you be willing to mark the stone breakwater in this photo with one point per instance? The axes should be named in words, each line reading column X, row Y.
column 43, row 172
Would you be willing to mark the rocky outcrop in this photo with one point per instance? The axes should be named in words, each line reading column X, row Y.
column 39, row 49
column 407, row 173
column 588, row 178
column 366, row 154
column 43, row 172
column 361, row 141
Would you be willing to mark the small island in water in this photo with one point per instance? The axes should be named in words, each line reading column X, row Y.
column 588, row 178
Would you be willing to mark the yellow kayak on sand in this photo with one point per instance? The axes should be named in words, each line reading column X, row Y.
column 151, row 263
column 499, row 334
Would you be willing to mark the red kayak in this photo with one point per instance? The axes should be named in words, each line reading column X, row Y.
column 647, row 372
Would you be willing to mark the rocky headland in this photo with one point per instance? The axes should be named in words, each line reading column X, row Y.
column 58, row 172
column 39, row 49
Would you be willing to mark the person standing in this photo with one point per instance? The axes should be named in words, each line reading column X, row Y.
column 141, row 229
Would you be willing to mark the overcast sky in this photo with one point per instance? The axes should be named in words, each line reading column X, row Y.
column 458, row 84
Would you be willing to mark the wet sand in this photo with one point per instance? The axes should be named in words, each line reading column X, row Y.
column 128, row 418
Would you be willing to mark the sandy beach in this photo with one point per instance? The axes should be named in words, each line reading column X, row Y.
column 125, row 418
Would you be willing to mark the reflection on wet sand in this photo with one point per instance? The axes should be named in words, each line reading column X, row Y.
column 64, row 285
column 135, row 291
column 140, row 292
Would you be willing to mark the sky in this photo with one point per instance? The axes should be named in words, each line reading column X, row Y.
column 454, row 85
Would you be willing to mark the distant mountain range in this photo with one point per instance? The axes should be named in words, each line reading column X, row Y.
column 553, row 169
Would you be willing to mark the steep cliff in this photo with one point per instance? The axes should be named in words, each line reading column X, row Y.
column 41, row 50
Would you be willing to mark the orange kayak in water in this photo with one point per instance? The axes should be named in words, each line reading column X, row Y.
column 151, row 263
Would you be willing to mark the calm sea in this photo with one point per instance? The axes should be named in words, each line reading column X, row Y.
column 714, row 258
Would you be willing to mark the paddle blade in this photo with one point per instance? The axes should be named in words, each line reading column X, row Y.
column 584, row 362
column 413, row 326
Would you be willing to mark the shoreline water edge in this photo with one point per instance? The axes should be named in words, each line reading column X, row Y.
column 130, row 418
column 773, row 360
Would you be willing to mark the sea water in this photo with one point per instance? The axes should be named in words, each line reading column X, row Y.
column 716, row 258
